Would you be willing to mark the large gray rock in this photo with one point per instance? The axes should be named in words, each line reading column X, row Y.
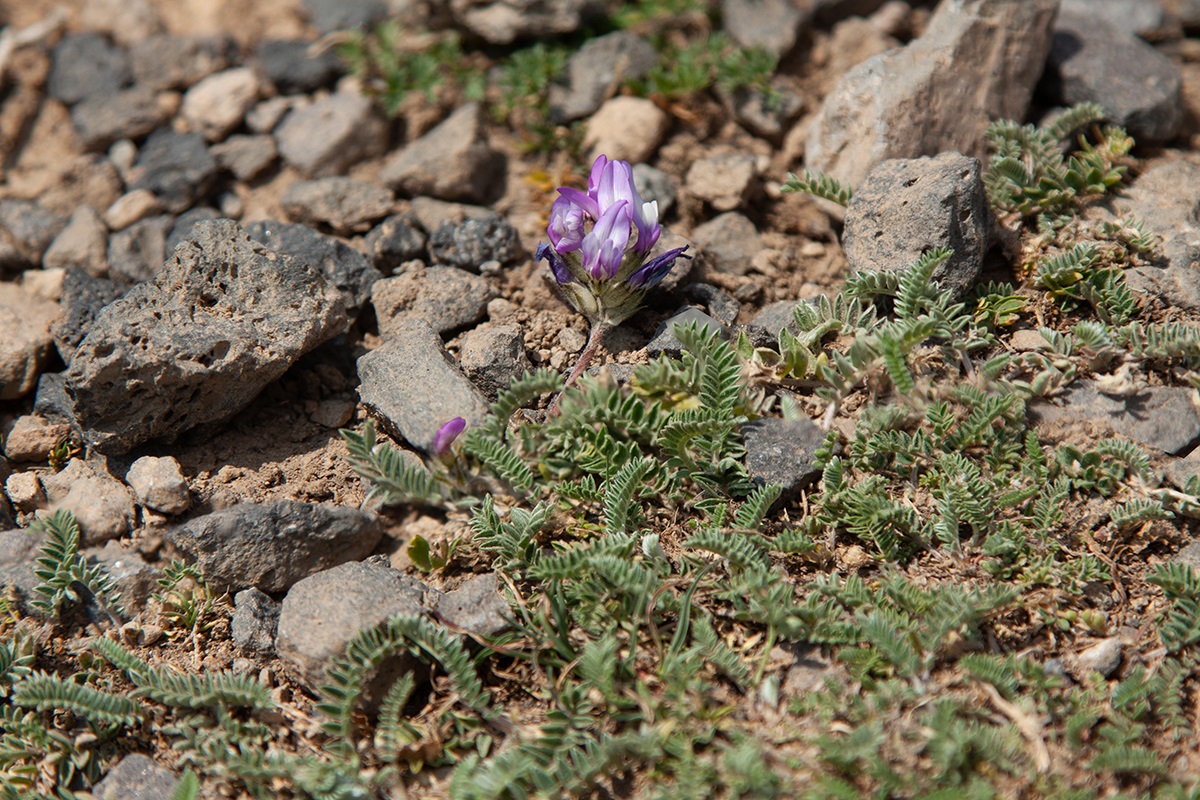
column 1093, row 60
column 446, row 297
column 905, row 207
column 978, row 61
column 471, row 242
column 323, row 612
column 25, row 340
column 477, row 606
column 82, row 299
column 29, row 228
column 413, row 387
column 102, row 505
column 665, row 340
column 1137, row 16
column 596, row 71
column 329, row 135
column 1167, row 198
column 728, row 242
column 493, row 356
column 453, row 161
column 86, row 65
column 292, row 66
column 82, row 244
column 100, row 120
column 176, row 167
column 343, row 266
column 255, row 622
column 136, row 253
column 271, row 547
column 19, row 549
column 770, row 24
column 344, row 204
column 177, row 62
column 223, row 318
column 1162, row 417
column 782, row 452
column 136, row 776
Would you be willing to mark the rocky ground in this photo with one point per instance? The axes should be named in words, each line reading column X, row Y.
column 218, row 248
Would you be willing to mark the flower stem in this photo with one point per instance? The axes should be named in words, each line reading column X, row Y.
column 599, row 329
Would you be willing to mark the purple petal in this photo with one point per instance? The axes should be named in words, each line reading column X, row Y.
column 447, row 434
column 604, row 247
column 559, row 267
column 654, row 270
column 645, row 219
column 597, row 170
column 577, row 198
column 566, row 225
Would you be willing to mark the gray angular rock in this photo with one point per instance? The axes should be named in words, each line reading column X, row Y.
column 323, row 612
column 25, row 492
column 721, row 307
column 905, row 207
column 493, row 356
column 596, row 71
column 725, row 180
column 469, row 243
column 136, row 776
column 978, row 61
column 394, row 241
column 166, row 61
column 30, row 228
column 343, row 266
column 503, row 21
column 86, row 65
column 665, row 341
column 728, row 242
column 477, row 606
column 339, row 15
column 245, row 155
column 776, row 316
column 136, row 253
column 1095, row 61
column 223, row 318
column 177, row 167
column 100, row 120
column 413, row 386
column 1162, row 417
column 25, row 340
column 292, row 66
column 1137, row 16
column 1167, row 197
column 344, row 204
column 19, row 549
column 272, row 546
column 1103, row 657
column 158, row 484
column 654, row 185
column 255, row 622
column 782, row 451
column 83, row 296
column 135, row 579
column 446, row 297
column 82, row 244
column 766, row 116
column 32, row 438
column 1181, row 470
column 453, row 161
column 329, row 135
column 216, row 105
column 102, row 505
column 185, row 223
column 770, row 24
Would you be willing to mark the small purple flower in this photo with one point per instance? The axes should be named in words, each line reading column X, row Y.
column 447, row 434
column 599, row 242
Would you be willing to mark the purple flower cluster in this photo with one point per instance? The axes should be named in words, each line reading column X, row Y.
column 599, row 241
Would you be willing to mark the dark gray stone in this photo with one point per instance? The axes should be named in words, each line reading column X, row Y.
column 255, row 622
column 135, row 579
column 293, row 68
column 597, row 70
column 1167, row 198
column 30, row 227
column 82, row 244
column 769, row 117
column 770, row 24
column 469, row 243
column 477, row 606
column 664, row 341
column 654, row 185
column 82, row 299
column 246, row 156
column 136, row 777
column 1162, row 417
column 331, row 134
column 503, row 22
column 394, row 241
column 453, row 161
column 906, row 207
column 19, row 548
column 728, row 242
column 781, row 451
column 270, row 547
column 493, row 356
column 339, row 15
column 344, row 204
column 136, row 253
column 323, row 612
column 412, row 386
column 52, row 402
column 177, row 167
column 343, row 266
column 1095, row 61
column 776, row 316
column 185, row 223
column 100, row 120
column 178, row 62
column 721, row 307
column 223, row 318
column 86, row 65
column 977, row 61
column 449, row 299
